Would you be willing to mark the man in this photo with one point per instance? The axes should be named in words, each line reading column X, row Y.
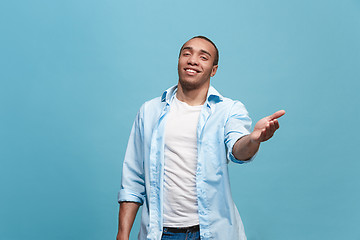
column 176, row 160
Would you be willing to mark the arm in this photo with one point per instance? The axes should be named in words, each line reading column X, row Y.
column 247, row 146
column 127, row 214
column 132, row 191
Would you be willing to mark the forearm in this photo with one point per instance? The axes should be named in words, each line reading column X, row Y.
column 245, row 148
column 127, row 214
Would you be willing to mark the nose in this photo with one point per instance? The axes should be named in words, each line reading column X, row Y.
column 192, row 60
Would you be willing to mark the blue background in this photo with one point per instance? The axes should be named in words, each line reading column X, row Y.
column 74, row 73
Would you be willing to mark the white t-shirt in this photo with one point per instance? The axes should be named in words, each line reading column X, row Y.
column 180, row 199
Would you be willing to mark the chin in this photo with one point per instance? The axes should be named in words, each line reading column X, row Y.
column 190, row 85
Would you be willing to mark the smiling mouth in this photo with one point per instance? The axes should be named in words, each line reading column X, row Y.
column 191, row 70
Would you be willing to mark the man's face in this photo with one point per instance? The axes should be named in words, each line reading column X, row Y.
column 195, row 65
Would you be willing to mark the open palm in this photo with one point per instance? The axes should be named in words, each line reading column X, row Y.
column 265, row 128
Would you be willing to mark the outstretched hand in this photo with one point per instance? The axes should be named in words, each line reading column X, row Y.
column 265, row 128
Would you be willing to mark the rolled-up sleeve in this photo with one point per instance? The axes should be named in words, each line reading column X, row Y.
column 132, row 180
column 237, row 126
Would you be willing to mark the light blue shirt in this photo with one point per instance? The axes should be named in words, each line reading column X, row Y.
column 222, row 122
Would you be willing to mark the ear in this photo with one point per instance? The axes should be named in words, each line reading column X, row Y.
column 213, row 70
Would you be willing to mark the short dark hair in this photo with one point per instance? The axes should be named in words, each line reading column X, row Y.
column 216, row 58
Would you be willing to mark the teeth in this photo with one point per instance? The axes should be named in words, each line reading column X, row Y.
column 190, row 70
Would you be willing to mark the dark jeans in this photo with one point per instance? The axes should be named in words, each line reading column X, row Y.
column 189, row 233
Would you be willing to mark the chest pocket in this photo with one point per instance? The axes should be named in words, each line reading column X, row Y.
column 213, row 148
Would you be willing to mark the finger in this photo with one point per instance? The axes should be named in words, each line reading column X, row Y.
column 276, row 122
column 272, row 127
column 276, row 115
column 262, row 136
column 268, row 131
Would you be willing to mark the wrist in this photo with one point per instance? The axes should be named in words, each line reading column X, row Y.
column 122, row 237
column 254, row 138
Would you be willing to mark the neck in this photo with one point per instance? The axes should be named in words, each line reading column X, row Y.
column 193, row 97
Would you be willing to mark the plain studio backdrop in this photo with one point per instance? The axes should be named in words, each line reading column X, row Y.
column 74, row 74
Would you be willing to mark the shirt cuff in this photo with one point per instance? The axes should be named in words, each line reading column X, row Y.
column 129, row 196
column 235, row 160
column 231, row 156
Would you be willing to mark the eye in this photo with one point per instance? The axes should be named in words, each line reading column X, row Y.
column 203, row 58
column 186, row 54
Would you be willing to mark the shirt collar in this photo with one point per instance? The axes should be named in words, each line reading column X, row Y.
column 212, row 96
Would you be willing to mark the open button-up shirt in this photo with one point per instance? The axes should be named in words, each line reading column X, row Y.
column 222, row 122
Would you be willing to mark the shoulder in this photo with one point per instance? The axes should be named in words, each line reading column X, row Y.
column 152, row 104
column 159, row 102
column 232, row 105
column 222, row 102
column 151, row 109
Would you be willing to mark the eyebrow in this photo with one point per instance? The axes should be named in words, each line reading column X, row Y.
column 201, row 50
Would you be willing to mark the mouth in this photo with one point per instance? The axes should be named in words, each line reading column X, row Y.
column 191, row 71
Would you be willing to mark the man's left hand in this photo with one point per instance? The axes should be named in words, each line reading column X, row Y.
column 265, row 128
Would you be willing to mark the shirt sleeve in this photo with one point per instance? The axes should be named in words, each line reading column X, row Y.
column 132, row 181
column 237, row 126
